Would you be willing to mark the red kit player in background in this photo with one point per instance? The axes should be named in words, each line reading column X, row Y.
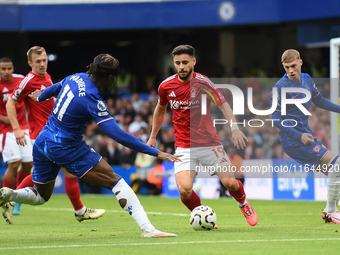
column 196, row 137
column 13, row 154
column 38, row 114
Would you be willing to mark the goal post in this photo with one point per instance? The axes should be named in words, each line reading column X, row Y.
column 334, row 91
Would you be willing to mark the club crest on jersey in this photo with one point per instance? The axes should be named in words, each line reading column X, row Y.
column 317, row 148
column 101, row 106
column 193, row 92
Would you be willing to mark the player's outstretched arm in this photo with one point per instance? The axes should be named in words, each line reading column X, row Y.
column 239, row 139
column 115, row 132
column 39, row 96
column 166, row 156
column 158, row 117
column 324, row 103
column 35, row 94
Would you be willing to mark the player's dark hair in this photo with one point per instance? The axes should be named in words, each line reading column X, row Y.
column 103, row 66
column 183, row 49
column 5, row 60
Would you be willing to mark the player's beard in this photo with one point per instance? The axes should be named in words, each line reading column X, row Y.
column 186, row 76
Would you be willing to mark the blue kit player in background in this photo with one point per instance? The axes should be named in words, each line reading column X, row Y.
column 60, row 143
column 299, row 142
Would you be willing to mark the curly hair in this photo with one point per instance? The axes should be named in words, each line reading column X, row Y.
column 103, row 66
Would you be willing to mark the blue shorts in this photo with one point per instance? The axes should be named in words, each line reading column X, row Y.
column 307, row 155
column 49, row 156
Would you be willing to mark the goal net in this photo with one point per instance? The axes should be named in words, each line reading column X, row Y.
column 334, row 91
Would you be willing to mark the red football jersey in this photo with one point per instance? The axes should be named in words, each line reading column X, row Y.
column 37, row 112
column 6, row 89
column 192, row 129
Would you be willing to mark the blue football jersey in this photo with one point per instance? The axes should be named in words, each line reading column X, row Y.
column 292, row 111
column 77, row 103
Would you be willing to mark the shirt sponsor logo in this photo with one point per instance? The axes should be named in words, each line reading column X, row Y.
column 187, row 104
column 103, row 113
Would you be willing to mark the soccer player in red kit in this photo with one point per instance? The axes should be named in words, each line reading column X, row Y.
column 196, row 137
column 13, row 154
column 38, row 114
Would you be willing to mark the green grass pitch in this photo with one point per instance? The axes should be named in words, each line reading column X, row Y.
column 284, row 227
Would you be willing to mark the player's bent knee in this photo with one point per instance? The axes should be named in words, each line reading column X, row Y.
column 38, row 199
column 185, row 193
column 29, row 195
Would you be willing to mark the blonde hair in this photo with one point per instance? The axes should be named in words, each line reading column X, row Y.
column 290, row 55
column 34, row 50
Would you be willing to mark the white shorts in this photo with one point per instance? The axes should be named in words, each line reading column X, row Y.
column 12, row 152
column 202, row 159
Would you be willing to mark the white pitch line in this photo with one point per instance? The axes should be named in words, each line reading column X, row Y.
column 164, row 213
column 111, row 211
column 170, row 243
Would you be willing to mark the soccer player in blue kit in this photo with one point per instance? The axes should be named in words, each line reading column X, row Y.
column 60, row 143
column 297, row 139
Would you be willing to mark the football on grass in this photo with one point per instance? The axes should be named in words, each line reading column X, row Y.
column 202, row 218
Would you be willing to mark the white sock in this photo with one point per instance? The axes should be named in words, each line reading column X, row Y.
column 27, row 196
column 333, row 186
column 241, row 205
column 132, row 206
column 81, row 211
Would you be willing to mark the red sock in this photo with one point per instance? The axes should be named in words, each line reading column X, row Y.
column 239, row 195
column 27, row 182
column 8, row 183
column 192, row 202
column 73, row 192
column 20, row 176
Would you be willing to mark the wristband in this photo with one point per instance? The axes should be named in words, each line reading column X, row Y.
column 233, row 127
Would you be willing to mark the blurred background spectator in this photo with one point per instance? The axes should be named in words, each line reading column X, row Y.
column 152, row 183
column 110, row 151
